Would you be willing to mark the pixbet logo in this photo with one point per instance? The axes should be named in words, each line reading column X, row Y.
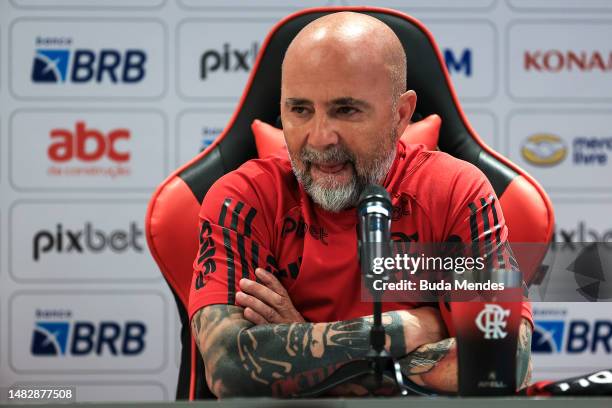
column 582, row 233
column 87, row 239
column 87, row 144
column 63, row 65
column 492, row 321
column 63, row 337
column 228, row 60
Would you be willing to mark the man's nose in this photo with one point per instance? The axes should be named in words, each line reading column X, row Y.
column 322, row 134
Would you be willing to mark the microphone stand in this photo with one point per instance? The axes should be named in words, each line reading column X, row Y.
column 377, row 354
column 378, row 357
column 377, row 361
column 374, row 240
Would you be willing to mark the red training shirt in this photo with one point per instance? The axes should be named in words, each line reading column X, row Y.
column 260, row 216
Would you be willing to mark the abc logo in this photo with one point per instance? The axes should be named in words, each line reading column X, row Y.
column 87, row 144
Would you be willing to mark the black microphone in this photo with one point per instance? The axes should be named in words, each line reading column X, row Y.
column 374, row 240
column 374, row 231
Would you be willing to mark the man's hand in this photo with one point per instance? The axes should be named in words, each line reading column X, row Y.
column 266, row 302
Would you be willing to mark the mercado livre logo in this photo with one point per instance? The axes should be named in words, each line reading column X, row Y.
column 544, row 149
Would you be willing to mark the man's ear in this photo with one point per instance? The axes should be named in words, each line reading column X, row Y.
column 405, row 108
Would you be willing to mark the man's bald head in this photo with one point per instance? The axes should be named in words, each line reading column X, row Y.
column 352, row 37
column 344, row 106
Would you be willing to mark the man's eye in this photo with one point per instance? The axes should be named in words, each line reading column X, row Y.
column 300, row 110
column 346, row 110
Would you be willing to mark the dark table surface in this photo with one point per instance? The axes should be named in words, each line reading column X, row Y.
column 439, row 402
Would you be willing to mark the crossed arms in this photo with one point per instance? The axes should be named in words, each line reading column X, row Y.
column 243, row 358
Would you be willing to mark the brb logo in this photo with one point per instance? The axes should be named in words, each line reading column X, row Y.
column 88, row 239
column 492, row 321
column 572, row 336
column 228, row 60
column 209, row 134
column 66, row 337
column 79, row 65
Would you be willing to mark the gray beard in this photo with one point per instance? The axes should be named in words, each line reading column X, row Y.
column 330, row 195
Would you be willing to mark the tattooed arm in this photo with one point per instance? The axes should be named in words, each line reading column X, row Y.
column 435, row 365
column 283, row 359
column 523, row 356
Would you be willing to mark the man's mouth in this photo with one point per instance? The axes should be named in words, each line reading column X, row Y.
column 330, row 168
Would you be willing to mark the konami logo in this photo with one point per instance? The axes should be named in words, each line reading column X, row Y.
column 89, row 145
column 567, row 60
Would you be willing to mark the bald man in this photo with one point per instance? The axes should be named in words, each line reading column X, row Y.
column 274, row 303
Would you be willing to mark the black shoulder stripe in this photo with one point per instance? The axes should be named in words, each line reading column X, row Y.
column 474, row 229
column 223, row 212
column 248, row 221
column 500, row 256
column 235, row 215
column 254, row 255
column 243, row 261
column 486, row 229
column 231, row 268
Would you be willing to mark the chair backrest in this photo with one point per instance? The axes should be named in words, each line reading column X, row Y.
column 172, row 221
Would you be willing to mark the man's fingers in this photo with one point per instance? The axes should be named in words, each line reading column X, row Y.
column 253, row 316
column 270, row 281
column 261, row 292
column 252, row 302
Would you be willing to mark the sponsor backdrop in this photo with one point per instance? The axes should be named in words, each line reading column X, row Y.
column 101, row 99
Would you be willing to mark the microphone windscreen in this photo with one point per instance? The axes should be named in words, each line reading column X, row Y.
column 374, row 193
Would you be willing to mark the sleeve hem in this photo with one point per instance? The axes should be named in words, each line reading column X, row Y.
column 214, row 298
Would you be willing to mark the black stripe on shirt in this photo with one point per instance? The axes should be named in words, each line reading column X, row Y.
column 231, row 268
column 498, row 244
column 243, row 261
column 223, row 212
column 248, row 221
column 474, row 229
column 236, row 215
column 486, row 230
column 254, row 255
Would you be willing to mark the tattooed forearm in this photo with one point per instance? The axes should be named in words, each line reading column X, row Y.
column 435, row 365
column 425, row 358
column 283, row 359
column 523, row 356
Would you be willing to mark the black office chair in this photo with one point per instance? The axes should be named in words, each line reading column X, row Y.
column 172, row 216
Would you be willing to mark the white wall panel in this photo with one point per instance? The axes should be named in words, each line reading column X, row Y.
column 534, row 83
